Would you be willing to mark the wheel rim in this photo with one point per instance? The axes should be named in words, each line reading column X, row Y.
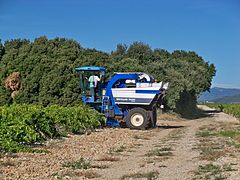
column 137, row 119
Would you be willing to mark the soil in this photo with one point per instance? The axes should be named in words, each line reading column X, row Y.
column 170, row 151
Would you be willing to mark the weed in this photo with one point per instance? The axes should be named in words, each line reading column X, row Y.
column 236, row 145
column 228, row 167
column 79, row 164
column 214, row 169
column 230, row 133
column 210, row 149
column 116, row 150
column 211, row 171
column 204, row 133
column 120, row 149
column 210, row 154
column 111, row 151
column 175, row 134
column 7, row 163
column 149, row 176
column 160, row 152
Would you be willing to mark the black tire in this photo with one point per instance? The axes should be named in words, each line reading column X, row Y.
column 137, row 118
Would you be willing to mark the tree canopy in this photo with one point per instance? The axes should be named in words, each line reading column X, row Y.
column 47, row 73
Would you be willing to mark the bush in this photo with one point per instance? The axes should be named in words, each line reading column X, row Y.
column 232, row 109
column 22, row 125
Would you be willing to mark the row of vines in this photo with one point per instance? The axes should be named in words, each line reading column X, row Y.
column 232, row 109
column 21, row 126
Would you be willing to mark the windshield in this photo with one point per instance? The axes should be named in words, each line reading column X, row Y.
column 84, row 80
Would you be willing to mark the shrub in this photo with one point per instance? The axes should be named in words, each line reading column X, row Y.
column 22, row 125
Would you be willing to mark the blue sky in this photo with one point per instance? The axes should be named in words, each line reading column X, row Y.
column 209, row 27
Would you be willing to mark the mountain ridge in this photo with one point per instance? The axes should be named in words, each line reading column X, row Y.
column 218, row 94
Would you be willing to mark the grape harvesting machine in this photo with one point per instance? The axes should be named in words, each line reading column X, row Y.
column 126, row 98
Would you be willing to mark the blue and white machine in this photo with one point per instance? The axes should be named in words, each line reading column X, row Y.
column 125, row 99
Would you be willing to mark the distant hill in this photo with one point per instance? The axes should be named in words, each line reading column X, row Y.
column 217, row 93
column 227, row 100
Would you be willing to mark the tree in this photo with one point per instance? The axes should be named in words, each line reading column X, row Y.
column 47, row 71
column 121, row 50
column 1, row 50
column 141, row 52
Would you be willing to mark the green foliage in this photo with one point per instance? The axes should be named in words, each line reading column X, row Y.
column 21, row 125
column 210, row 171
column 1, row 50
column 141, row 52
column 47, row 70
column 230, row 133
column 121, row 50
column 232, row 109
column 79, row 164
column 46, row 67
column 188, row 75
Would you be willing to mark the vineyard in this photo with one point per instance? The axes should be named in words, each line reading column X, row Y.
column 232, row 109
column 22, row 126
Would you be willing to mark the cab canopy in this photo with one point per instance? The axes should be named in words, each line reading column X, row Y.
column 90, row 68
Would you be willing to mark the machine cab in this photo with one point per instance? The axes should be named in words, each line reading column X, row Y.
column 91, row 82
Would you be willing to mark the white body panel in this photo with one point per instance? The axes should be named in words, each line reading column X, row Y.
column 130, row 96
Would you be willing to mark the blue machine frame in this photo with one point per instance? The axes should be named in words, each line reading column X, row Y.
column 106, row 102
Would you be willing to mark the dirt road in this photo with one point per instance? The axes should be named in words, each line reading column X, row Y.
column 176, row 149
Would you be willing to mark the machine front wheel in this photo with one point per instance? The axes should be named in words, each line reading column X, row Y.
column 137, row 119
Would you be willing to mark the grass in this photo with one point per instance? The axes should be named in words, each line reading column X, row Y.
column 211, row 171
column 79, row 164
column 210, row 150
column 213, row 141
column 7, row 163
column 176, row 134
column 166, row 151
column 228, row 167
column 117, row 150
column 230, row 133
column 205, row 133
column 149, row 176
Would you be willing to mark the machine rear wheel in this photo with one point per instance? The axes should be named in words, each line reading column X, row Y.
column 137, row 119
